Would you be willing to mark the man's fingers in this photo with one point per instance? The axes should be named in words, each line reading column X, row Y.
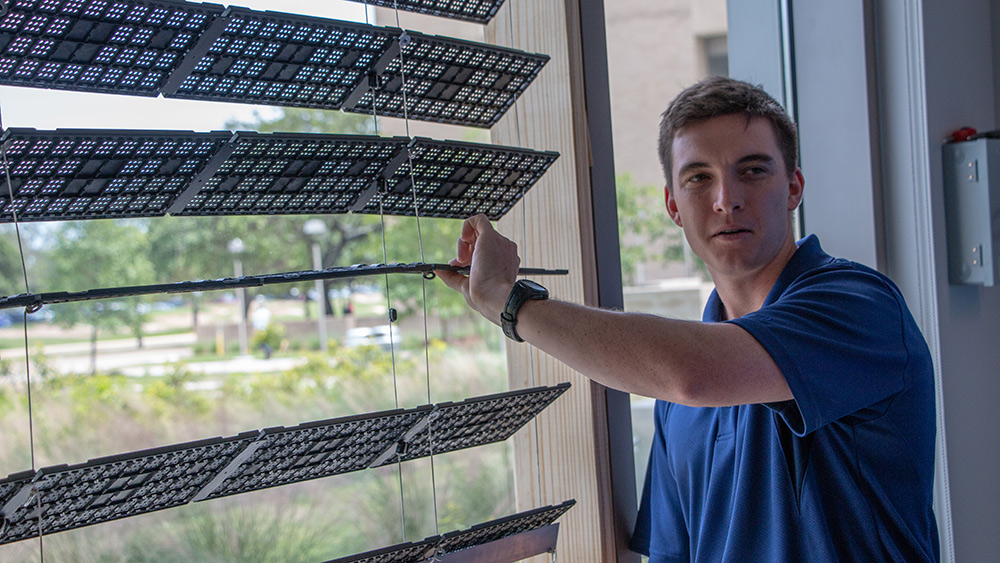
column 472, row 229
column 453, row 280
column 464, row 255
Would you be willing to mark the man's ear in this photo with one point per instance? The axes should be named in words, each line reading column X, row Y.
column 796, row 184
column 672, row 206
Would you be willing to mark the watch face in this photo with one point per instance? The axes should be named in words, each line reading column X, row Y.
column 533, row 286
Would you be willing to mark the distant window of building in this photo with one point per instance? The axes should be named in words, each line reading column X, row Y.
column 716, row 55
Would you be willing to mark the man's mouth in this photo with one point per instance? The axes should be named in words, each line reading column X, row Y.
column 732, row 231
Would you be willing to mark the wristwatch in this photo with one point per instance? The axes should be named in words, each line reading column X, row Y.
column 523, row 290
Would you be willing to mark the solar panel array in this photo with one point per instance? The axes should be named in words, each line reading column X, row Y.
column 187, row 50
column 98, row 174
column 478, row 11
column 66, row 497
column 208, row 52
column 437, row 546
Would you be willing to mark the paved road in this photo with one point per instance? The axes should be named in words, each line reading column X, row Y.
column 155, row 358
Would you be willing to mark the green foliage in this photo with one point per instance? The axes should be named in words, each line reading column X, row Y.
column 294, row 120
column 10, row 264
column 646, row 233
column 96, row 254
column 272, row 336
column 170, row 394
column 251, row 535
column 79, row 417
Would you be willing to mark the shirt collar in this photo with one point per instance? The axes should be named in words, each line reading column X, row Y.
column 809, row 255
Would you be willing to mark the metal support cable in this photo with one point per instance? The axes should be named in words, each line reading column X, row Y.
column 27, row 354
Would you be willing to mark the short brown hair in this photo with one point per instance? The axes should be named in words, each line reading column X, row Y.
column 718, row 96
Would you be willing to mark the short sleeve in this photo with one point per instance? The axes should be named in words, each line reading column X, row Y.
column 837, row 336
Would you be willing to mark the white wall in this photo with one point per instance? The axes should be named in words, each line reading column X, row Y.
column 960, row 84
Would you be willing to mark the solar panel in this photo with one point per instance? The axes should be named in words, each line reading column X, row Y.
column 447, row 81
column 104, row 489
column 461, row 179
column 101, row 174
column 207, row 52
column 503, row 527
column 437, row 546
column 83, row 174
column 478, row 11
column 282, row 173
column 36, row 300
column 114, row 487
column 116, row 47
column 280, row 59
column 320, row 449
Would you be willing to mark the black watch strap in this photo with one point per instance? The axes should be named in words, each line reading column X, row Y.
column 522, row 292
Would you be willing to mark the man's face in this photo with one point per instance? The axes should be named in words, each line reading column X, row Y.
column 733, row 196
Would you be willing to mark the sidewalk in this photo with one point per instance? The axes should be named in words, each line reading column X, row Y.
column 154, row 359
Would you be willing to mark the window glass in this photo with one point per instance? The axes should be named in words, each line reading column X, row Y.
column 655, row 49
column 111, row 377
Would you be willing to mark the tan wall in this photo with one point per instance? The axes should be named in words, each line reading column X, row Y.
column 653, row 53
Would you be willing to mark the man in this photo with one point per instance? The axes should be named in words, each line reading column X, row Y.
column 796, row 423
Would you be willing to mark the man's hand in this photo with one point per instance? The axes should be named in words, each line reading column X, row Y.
column 494, row 263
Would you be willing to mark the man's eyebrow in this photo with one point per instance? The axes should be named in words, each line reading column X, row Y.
column 690, row 166
column 764, row 158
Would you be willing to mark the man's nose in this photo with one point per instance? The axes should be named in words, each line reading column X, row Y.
column 728, row 196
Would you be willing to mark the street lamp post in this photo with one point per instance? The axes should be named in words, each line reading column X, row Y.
column 314, row 228
column 236, row 248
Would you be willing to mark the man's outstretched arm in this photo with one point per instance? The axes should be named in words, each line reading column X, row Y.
column 692, row 363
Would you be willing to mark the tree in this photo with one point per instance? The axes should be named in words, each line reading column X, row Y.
column 645, row 231
column 11, row 277
column 296, row 120
column 96, row 254
column 184, row 248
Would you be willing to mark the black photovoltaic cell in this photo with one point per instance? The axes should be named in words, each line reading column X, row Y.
column 111, row 46
column 100, row 174
column 126, row 485
column 456, row 426
column 116, row 487
column 269, row 174
column 477, row 11
column 84, row 174
column 205, row 52
column 282, row 59
column 503, row 527
column 320, row 449
column 462, row 179
column 426, row 550
column 35, row 300
column 450, row 81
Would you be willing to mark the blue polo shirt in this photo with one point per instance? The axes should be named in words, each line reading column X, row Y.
column 844, row 472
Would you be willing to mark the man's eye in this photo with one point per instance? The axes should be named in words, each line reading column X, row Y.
column 696, row 178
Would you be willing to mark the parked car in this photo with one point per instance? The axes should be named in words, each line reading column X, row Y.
column 384, row 336
column 43, row 315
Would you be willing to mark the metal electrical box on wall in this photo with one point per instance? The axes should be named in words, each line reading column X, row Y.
column 972, row 208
